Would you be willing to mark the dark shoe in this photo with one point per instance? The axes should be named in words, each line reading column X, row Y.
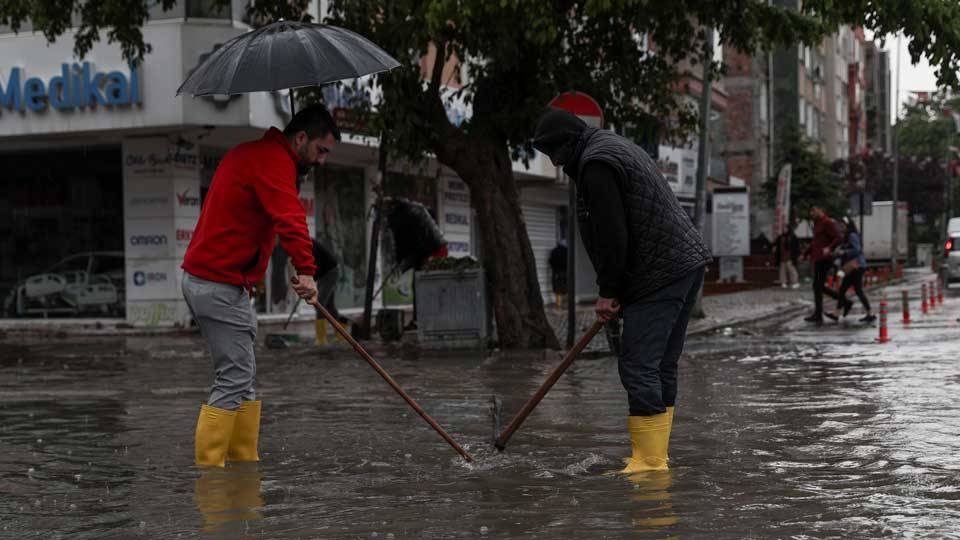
column 831, row 316
column 813, row 318
column 846, row 308
column 869, row 318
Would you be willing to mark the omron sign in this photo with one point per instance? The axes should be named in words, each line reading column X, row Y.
column 78, row 86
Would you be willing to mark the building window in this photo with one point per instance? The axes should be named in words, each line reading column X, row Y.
column 207, row 9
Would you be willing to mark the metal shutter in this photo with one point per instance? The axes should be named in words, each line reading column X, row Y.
column 542, row 230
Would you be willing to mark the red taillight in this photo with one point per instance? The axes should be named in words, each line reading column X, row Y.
column 949, row 245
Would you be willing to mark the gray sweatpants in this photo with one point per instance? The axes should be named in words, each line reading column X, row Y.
column 227, row 320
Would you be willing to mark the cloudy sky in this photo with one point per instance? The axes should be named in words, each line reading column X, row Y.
column 918, row 77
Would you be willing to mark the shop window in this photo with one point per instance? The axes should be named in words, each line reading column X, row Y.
column 341, row 207
column 62, row 230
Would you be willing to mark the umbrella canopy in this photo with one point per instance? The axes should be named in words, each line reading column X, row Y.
column 286, row 54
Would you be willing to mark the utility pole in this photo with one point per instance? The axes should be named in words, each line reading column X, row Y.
column 364, row 330
column 895, row 244
column 571, row 260
column 703, row 160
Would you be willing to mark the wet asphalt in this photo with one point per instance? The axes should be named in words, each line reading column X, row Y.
column 782, row 430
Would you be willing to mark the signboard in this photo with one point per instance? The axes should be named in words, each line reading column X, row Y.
column 855, row 203
column 455, row 218
column 155, row 157
column 148, row 238
column 158, row 313
column 581, row 105
column 152, row 279
column 186, row 196
column 148, row 198
column 731, row 269
column 75, row 86
column 731, row 221
column 782, row 211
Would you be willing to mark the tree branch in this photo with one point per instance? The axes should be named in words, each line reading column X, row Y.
column 439, row 60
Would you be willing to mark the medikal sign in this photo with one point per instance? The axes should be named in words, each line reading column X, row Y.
column 78, row 86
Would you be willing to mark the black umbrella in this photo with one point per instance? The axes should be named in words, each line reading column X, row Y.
column 286, row 54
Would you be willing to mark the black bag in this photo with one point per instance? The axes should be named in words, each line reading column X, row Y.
column 416, row 235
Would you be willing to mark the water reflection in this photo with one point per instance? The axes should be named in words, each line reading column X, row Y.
column 654, row 500
column 228, row 498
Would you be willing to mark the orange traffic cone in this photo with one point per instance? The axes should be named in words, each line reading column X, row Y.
column 884, row 337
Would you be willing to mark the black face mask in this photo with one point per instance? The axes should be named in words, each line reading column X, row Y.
column 557, row 134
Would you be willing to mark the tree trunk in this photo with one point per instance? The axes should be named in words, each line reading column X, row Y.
column 507, row 256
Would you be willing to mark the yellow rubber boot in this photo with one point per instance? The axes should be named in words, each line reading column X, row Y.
column 246, row 433
column 669, row 427
column 650, row 438
column 320, row 331
column 214, row 430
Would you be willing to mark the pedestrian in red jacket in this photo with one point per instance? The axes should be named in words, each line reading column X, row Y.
column 252, row 200
column 826, row 238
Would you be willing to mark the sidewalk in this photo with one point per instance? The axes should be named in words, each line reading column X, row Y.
column 720, row 311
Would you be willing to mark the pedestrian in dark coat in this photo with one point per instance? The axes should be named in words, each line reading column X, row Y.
column 826, row 238
column 649, row 258
column 786, row 253
column 853, row 267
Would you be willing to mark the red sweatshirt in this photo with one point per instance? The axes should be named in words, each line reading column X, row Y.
column 253, row 198
column 825, row 235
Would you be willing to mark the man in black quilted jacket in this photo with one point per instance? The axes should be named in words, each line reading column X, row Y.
column 649, row 259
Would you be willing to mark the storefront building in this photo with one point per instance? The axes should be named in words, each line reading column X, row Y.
column 105, row 171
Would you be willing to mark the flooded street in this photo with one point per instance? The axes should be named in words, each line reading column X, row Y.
column 782, row 430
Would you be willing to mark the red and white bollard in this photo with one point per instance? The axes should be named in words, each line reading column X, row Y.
column 884, row 337
column 933, row 296
column 923, row 295
column 905, row 301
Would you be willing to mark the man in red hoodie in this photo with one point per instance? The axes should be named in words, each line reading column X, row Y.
column 252, row 200
column 826, row 237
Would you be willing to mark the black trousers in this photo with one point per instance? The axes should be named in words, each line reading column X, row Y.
column 820, row 271
column 654, row 331
column 854, row 279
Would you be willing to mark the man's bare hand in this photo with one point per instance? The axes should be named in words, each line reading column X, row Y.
column 607, row 309
column 305, row 287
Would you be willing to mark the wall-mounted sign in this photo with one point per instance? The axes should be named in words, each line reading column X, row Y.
column 731, row 222
column 157, row 156
column 152, row 279
column 158, row 312
column 78, row 86
column 456, row 218
column 149, row 238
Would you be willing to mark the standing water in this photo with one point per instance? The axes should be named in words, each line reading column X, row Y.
column 781, row 432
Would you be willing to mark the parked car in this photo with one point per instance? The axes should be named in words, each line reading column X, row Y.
column 950, row 267
column 84, row 283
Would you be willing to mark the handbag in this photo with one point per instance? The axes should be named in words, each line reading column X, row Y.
column 850, row 266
